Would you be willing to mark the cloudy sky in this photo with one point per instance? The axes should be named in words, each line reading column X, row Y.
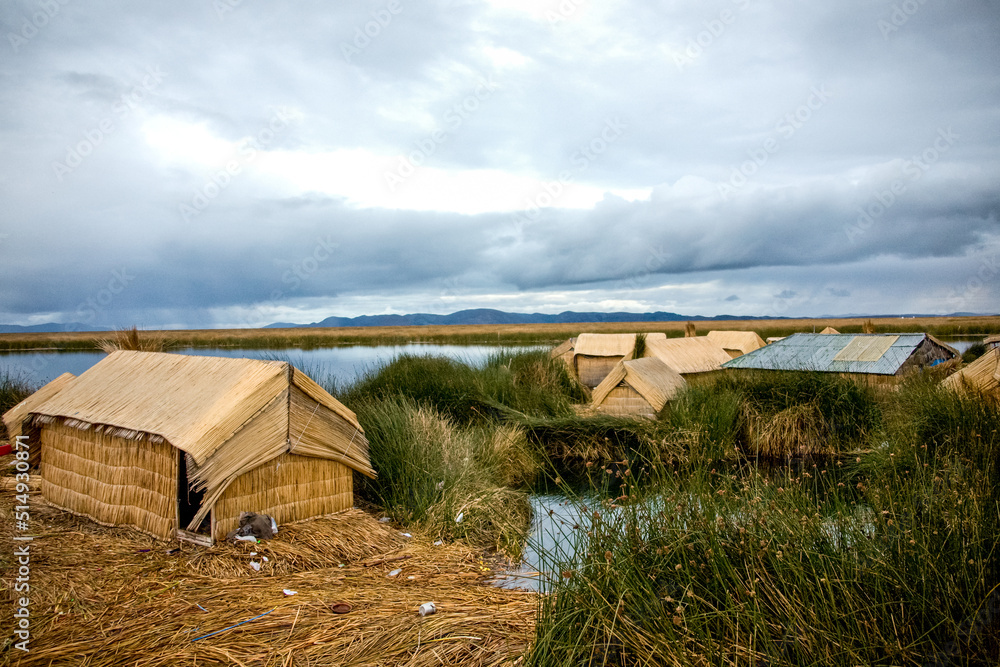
column 236, row 162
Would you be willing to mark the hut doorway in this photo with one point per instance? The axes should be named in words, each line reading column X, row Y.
column 189, row 500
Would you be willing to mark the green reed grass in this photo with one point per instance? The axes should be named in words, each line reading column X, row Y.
column 455, row 480
column 528, row 383
column 886, row 558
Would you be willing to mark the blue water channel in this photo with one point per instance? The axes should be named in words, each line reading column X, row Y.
column 341, row 364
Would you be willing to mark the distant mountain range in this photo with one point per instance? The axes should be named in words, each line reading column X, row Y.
column 489, row 316
column 482, row 316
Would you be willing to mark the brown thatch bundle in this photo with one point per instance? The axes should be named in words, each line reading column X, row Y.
column 799, row 430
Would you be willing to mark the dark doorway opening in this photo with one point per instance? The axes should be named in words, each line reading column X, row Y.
column 189, row 500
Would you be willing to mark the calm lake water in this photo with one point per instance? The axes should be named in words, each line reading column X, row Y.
column 343, row 364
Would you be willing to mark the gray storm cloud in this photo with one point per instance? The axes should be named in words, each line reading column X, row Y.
column 759, row 149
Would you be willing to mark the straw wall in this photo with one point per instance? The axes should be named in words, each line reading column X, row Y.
column 289, row 488
column 112, row 480
column 592, row 370
column 623, row 400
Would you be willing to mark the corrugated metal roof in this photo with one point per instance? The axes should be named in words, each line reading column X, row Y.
column 818, row 352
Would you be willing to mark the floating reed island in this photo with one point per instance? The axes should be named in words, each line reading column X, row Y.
column 756, row 517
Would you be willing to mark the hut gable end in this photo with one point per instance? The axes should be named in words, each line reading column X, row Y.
column 140, row 434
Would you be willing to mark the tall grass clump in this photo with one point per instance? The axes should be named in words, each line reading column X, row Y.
column 131, row 339
column 456, row 481
column 803, row 413
column 530, row 383
column 447, row 385
column 710, row 417
column 508, row 382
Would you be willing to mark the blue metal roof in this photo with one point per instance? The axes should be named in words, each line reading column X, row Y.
column 816, row 352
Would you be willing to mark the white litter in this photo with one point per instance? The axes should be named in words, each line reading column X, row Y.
column 274, row 524
column 265, row 559
column 439, row 543
column 394, row 573
column 384, row 519
column 406, row 535
column 458, row 519
column 255, row 565
column 288, row 591
column 426, row 609
column 246, row 538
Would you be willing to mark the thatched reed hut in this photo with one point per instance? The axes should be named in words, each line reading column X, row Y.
column 637, row 387
column 865, row 356
column 564, row 351
column 177, row 445
column 981, row 376
column 688, row 356
column 737, row 343
column 594, row 355
column 829, row 330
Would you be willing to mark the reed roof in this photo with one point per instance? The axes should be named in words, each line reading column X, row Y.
column 14, row 418
column 563, row 347
column 610, row 345
column 829, row 330
column 649, row 377
column 697, row 354
column 981, row 375
column 742, row 341
column 199, row 404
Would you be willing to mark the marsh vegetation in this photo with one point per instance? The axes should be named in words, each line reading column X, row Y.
column 768, row 518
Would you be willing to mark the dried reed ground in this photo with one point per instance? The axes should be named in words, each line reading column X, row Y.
column 98, row 599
